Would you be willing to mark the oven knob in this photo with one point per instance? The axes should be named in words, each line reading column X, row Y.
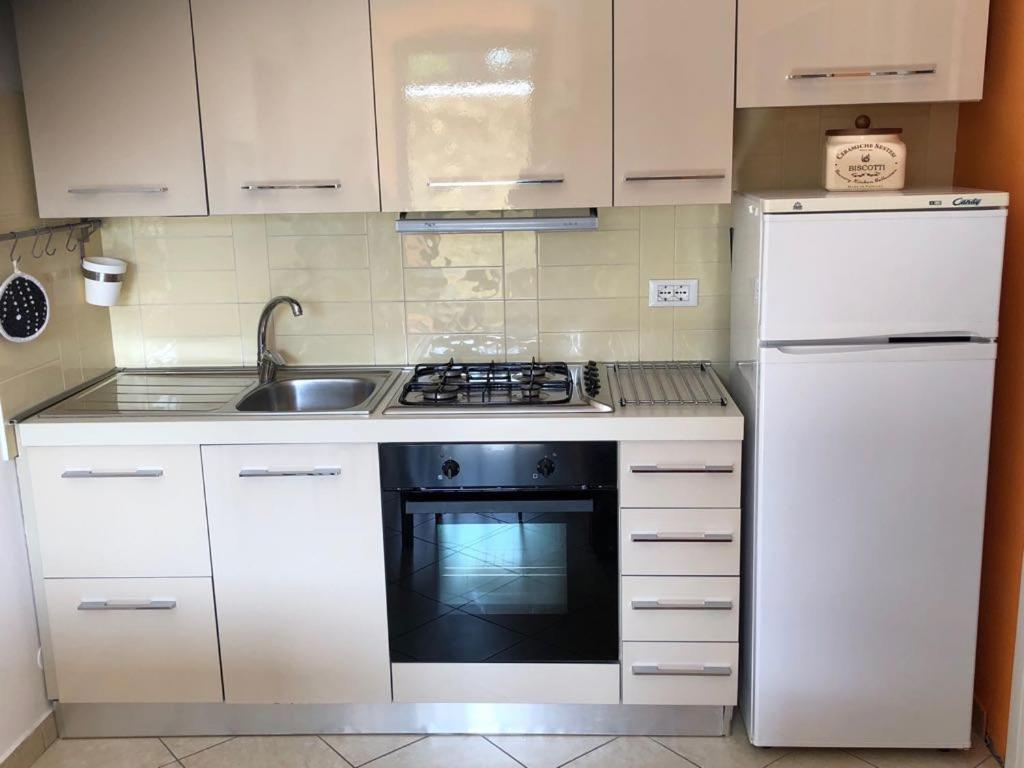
column 450, row 468
column 545, row 467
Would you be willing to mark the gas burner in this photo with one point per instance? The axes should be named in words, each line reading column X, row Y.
column 440, row 393
column 530, row 390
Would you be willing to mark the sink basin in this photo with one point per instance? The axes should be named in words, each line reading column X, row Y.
column 309, row 395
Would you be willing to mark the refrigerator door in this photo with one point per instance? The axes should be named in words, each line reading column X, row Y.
column 866, row 547
column 855, row 275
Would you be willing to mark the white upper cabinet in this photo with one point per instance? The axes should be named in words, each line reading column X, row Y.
column 287, row 102
column 797, row 52
column 110, row 91
column 673, row 101
column 493, row 105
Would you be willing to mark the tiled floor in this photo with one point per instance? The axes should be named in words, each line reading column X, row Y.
column 481, row 752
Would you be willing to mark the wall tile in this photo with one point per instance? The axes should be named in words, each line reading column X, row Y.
column 385, row 248
column 702, row 245
column 187, row 287
column 452, row 284
column 181, row 226
column 324, row 319
column 520, row 250
column 702, row 345
column 589, row 315
column 126, row 330
column 573, row 248
column 482, row 250
column 593, row 345
column 318, row 252
column 657, row 245
column 522, row 337
column 352, row 349
column 248, row 316
column 618, row 218
column 703, row 216
column 711, row 313
column 714, row 277
column 455, row 316
column 184, row 254
column 190, row 320
column 589, row 282
column 389, row 346
column 164, row 352
column 321, row 284
column 317, row 224
column 469, row 347
column 252, row 267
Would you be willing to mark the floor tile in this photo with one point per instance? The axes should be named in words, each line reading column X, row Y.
column 447, row 752
column 267, row 752
column 547, row 751
column 925, row 758
column 819, row 758
column 106, row 753
column 183, row 746
column 358, row 749
column 631, row 752
column 734, row 751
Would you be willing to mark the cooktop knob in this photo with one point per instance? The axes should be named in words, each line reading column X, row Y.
column 545, row 467
column 450, row 468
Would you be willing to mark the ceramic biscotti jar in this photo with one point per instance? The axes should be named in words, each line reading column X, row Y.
column 865, row 158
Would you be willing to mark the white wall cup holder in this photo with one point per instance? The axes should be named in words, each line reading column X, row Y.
column 104, row 277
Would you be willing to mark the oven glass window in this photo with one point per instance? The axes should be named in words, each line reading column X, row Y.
column 509, row 577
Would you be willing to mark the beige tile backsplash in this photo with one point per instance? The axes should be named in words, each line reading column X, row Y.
column 370, row 296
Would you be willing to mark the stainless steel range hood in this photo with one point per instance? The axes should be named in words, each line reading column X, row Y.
column 551, row 221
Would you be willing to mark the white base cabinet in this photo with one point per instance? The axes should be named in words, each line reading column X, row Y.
column 297, row 544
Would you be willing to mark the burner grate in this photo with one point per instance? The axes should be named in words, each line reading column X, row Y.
column 454, row 384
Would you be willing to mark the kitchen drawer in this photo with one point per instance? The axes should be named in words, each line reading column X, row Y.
column 105, row 650
column 680, row 608
column 135, row 511
column 679, row 542
column 679, row 673
column 671, row 474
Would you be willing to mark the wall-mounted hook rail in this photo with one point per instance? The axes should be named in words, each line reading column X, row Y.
column 78, row 232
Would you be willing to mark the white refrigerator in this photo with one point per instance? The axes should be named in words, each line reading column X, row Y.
column 863, row 353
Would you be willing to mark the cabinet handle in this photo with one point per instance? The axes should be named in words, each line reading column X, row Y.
column 127, row 605
column 312, row 472
column 672, row 604
column 906, row 71
column 259, row 186
column 682, row 469
column 90, row 474
column 499, row 182
column 697, row 670
column 119, row 189
column 695, row 176
column 677, row 537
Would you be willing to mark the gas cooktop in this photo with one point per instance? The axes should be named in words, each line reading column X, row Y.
column 503, row 387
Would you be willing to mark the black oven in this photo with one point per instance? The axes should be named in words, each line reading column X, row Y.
column 501, row 552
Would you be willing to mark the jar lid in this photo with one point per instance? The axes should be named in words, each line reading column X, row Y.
column 862, row 131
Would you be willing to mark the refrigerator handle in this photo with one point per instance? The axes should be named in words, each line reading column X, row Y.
column 873, row 343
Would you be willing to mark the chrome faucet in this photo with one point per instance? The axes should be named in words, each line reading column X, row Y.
column 267, row 360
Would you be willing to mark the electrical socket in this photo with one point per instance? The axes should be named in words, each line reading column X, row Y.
column 673, row 293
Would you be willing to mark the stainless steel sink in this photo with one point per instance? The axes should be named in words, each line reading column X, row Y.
column 315, row 392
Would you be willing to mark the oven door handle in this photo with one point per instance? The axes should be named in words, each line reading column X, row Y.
column 665, row 536
column 682, row 469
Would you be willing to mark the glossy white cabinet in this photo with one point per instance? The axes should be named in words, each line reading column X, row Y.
column 287, row 101
column 493, row 105
column 110, row 93
column 797, row 52
column 673, row 101
column 298, row 562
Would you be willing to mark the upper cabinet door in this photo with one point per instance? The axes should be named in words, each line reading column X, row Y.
column 110, row 91
column 287, row 100
column 493, row 105
column 797, row 52
column 673, row 101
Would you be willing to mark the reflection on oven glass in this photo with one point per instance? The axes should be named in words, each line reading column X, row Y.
column 505, row 569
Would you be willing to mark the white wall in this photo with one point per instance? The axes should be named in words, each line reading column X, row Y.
column 23, row 701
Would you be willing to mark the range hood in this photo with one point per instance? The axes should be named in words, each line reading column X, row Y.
column 550, row 221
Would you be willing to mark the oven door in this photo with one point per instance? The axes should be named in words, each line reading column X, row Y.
column 502, row 576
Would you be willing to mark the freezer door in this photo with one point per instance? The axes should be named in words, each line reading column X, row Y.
column 869, row 511
column 852, row 275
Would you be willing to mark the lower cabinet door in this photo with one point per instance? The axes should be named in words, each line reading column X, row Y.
column 134, row 640
column 298, row 564
column 679, row 673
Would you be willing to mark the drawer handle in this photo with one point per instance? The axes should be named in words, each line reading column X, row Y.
column 682, row 469
column 694, row 176
column 905, row 71
column 687, row 536
column 90, row 474
column 312, row 472
column 119, row 189
column 672, row 604
column 693, row 670
column 497, row 182
column 260, row 186
column 127, row 605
